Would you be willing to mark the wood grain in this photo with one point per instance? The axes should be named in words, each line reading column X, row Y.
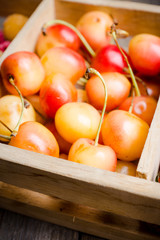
column 135, row 198
column 19, row 6
column 150, row 159
column 74, row 216
column 27, row 37
column 132, row 17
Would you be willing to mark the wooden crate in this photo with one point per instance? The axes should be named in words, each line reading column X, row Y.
column 80, row 197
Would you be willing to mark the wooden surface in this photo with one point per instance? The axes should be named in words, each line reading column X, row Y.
column 14, row 226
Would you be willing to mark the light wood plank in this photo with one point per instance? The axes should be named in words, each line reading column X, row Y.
column 27, row 37
column 74, row 216
column 132, row 17
column 19, row 6
column 150, row 159
column 123, row 195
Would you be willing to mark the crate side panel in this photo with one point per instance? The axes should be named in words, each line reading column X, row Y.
column 123, row 195
column 132, row 17
column 19, row 6
column 27, row 37
column 78, row 217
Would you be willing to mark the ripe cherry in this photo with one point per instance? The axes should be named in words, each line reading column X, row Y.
column 118, row 88
column 84, row 151
column 27, row 71
column 109, row 59
column 94, row 26
column 89, row 152
column 144, row 52
column 76, row 120
column 33, row 136
column 143, row 107
column 64, row 60
column 127, row 168
column 125, row 133
column 56, row 90
column 57, row 35
column 10, row 111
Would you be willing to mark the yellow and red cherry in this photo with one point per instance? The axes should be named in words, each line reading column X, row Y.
column 55, row 91
column 127, row 168
column 95, row 26
column 76, row 120
column 84, row 151
column 33, row 136
column 125, row 133
column 143, row 107
column 64, row 60
column 10, row 111
column 144, row 52
column 109, row 59
column 89, row 152
column 27, row 71
column 57, row 35
column 118, row 87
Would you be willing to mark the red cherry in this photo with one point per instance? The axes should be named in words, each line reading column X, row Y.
column 56, row 90
column 57, row 36
column 109, row 59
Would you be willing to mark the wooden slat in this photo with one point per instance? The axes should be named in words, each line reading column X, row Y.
column 132, row 17
column 74, row 216
column 122, row 195
column 19, row 6
column 150, row 159
column 27, row 37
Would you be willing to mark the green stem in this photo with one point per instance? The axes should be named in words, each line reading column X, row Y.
column 5, row 137
column 5, row 126
column 129, row 67
column 132, row 102
column 92, row 70
column 15, row 130
column 57, row 21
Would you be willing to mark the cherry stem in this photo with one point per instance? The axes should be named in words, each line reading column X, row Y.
column 57, row 21
column 14, row 132
column 129, row 67
column 5, row 126
column 132, row 102
column 92, row 70
column 5, row 137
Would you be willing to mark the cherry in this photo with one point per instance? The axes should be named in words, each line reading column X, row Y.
column 57, row 35
column 76, row 120
column 56, row 90
column 94, row 26
column 89, row 152
column 27, row 71
column 109, row 59
column 144, row 52
column 143, row 107
column 33, row 136
column 125, row 133
column 118, row 88
column 10, row 111
column 64, row 60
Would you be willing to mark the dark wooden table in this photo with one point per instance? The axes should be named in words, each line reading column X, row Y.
column 14, row 226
